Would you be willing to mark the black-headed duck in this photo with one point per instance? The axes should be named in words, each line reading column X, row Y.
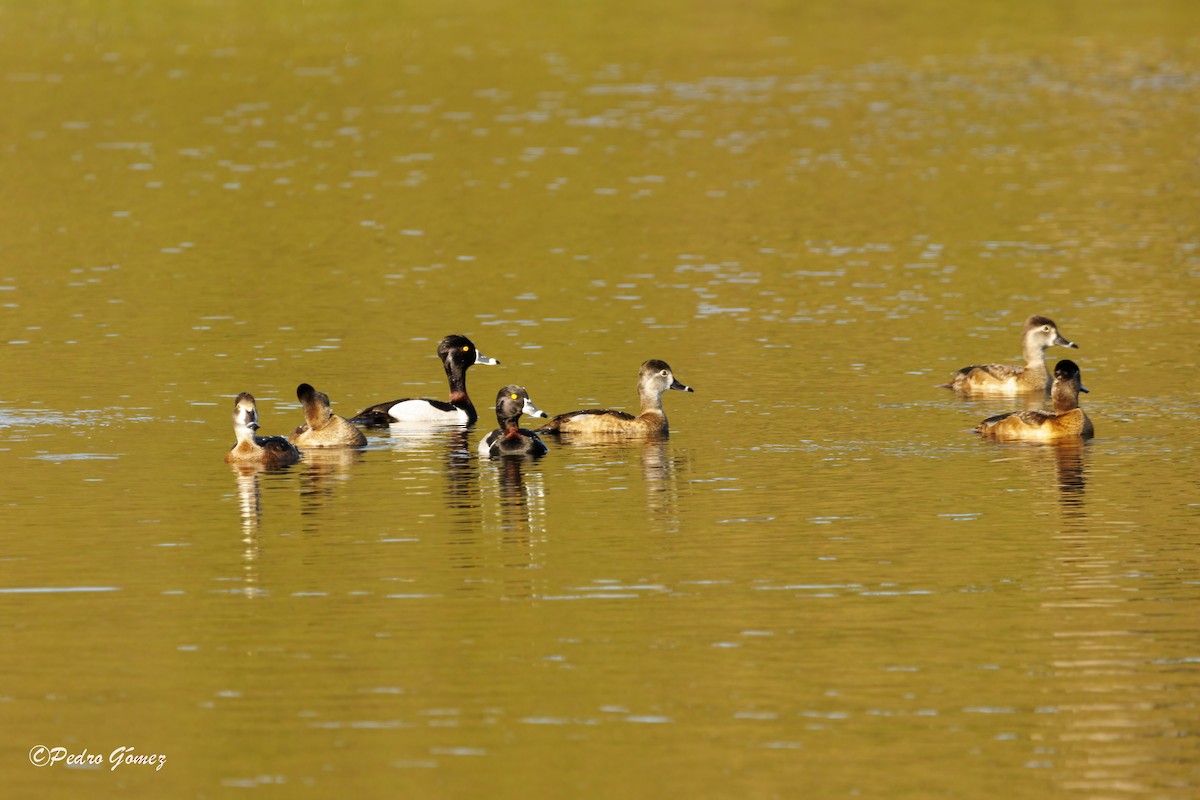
column 274, row 451
column 1066, row 421
column 992, row 379
column 457, row 354
column 654, row 378
column 322, row 427
column 509, row 439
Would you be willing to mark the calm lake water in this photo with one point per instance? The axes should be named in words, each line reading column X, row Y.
column 822, row 585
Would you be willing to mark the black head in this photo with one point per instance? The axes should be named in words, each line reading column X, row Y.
column 459, row 350
column 1068, row 371
column 512, row 401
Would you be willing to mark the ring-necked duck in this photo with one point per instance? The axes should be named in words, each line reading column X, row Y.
column 322, row 427
column 251, row 449
column 508, row 439
column 654, row 378
column 1066, row 421
column 1040, row 332
column 457, row 354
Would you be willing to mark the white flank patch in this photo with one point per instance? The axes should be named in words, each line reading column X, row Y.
column 422, row 411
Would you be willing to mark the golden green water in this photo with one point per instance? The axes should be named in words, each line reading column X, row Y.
column 822, row 585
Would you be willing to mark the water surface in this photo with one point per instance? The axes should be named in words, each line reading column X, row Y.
column 822, row 582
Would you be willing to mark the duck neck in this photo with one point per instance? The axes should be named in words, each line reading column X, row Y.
column 1035, row 354
column 510, row 427
column 1065, row 395
column 651, row 400
column 317, row 417
column 245, row 437
column 457, row 376
column 458, row 383
column 1035, row 364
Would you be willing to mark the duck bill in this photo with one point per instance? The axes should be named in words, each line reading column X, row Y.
column 480, row 358
column 529, row 409
column 1083, row 388
column 1062, row 341
column 675, row 384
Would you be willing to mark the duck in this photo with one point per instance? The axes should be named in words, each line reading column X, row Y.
column 509, row 440
column 322, row 427
column 991, row 379
column 457, row 353
column 1067, row 421
column 654, row 377
column 272, row 451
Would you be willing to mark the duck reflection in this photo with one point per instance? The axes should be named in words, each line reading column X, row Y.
column 249, row 495
column 248, row 480
column 1068, row 457
column 660, row 467
column 462, row 478
column 1105, row 641
column 522, row 495
column 423, row 438
column 1069, row 469
column 321, row 472
column 1018, row 402
column 660, row 470
column 518, row 531
column 451, row 445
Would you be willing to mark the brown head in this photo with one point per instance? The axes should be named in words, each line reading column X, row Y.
column 1042, row 332
column 658, row 374
column 317, row 412
column 245, row 416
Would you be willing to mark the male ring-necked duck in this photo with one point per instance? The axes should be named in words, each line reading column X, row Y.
column 322, row 427
column 457, row 354
column 654, row 378
column 1040, row 332
column 251, row 449
column 508, row 439
column 1066, row 421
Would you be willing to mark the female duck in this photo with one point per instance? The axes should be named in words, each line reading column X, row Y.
column 322, row 427
column 1040, row 333
column 272, row 451
column 654, row 378
column 457, row 354
column 1066, row 421
column 508, row 439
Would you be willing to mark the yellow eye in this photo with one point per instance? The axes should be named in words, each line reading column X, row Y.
column 466, row 347
column 513, row 396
